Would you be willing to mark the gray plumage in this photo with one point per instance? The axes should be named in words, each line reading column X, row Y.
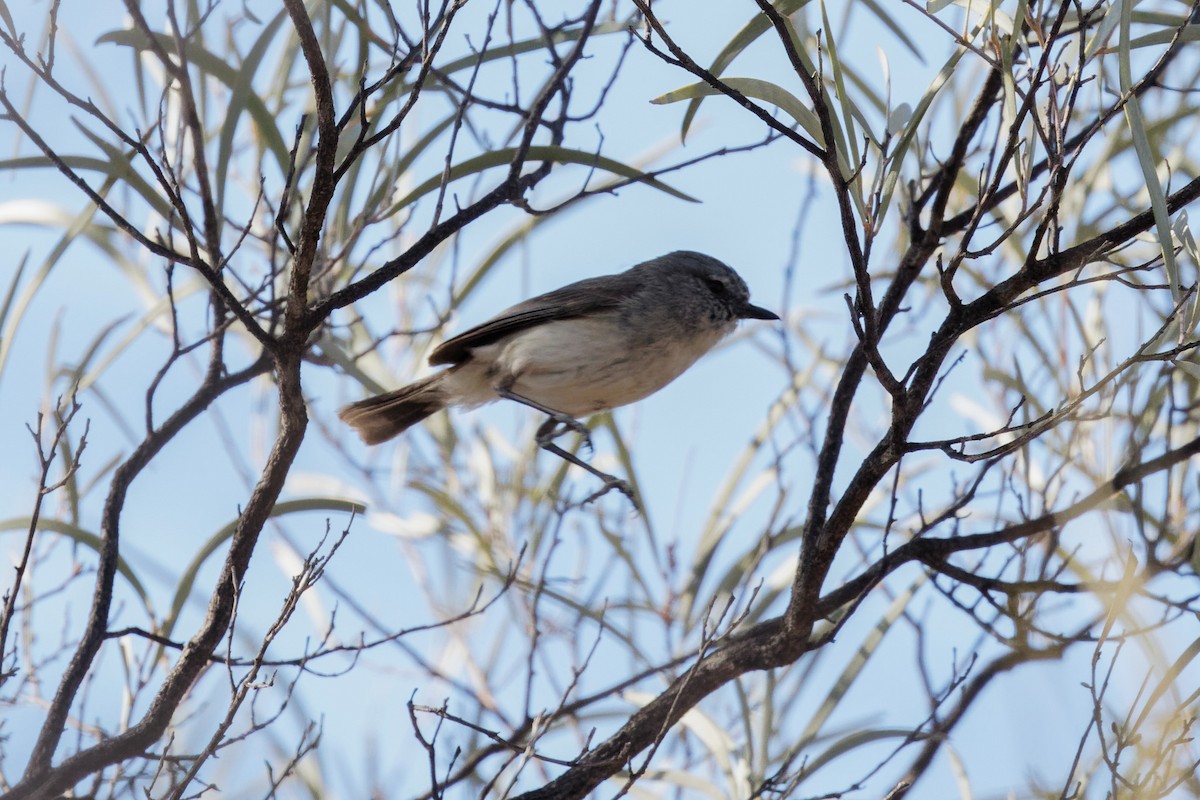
column 588, row 347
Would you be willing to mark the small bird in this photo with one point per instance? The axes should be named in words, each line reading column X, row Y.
column 588, row 347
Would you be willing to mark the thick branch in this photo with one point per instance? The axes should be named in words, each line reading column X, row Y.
column 933, row 550
column 106, row 571
column 758, row 649
column 324, row 183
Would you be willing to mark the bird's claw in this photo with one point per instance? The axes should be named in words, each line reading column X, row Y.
column 556, row 425
column 561, row 424
column 610, row 483
column 575, row 425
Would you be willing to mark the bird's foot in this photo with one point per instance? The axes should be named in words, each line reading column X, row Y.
column 557, row 425
column 612, row 482
column 545, row 441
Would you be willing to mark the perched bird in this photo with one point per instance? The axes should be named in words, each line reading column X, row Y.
column 588, row 347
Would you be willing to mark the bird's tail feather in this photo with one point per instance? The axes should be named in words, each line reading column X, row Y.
column 387, row 415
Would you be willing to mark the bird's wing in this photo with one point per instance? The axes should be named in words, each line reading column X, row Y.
column 574, row 300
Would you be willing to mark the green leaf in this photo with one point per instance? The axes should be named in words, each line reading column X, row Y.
column 1145, row 155
column 86, row 539
column 8, row 20
column 228, row 74
column 1170, row 682
column 562, row 155
column 116, row 167
column 760, row 90
column 530, row 45
column 913, row 125
column 1189, row 34
column 848, row 137
column 38, row 214
column 241, row 97
column 8, row 301
column 853, row 741
column 750, row 32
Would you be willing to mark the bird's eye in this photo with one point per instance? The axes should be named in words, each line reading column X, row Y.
column 715, row 285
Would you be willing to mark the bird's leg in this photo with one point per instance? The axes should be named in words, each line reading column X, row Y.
column 558, row 423
column 546, row 434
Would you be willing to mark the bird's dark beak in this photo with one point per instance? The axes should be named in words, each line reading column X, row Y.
column 755, row 312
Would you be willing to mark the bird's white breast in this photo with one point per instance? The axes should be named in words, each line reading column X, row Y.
column 582, row 366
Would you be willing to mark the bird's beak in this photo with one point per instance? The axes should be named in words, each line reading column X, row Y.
column 755, row 312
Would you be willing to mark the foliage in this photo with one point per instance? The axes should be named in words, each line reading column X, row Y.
column 980, row 460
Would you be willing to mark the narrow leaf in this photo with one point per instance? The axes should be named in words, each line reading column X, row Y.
column 760, row 90
column 562, row 155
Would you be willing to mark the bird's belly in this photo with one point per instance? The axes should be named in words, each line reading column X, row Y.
column 582, row 367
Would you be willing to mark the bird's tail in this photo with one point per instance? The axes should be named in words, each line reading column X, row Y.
column 384, row 416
